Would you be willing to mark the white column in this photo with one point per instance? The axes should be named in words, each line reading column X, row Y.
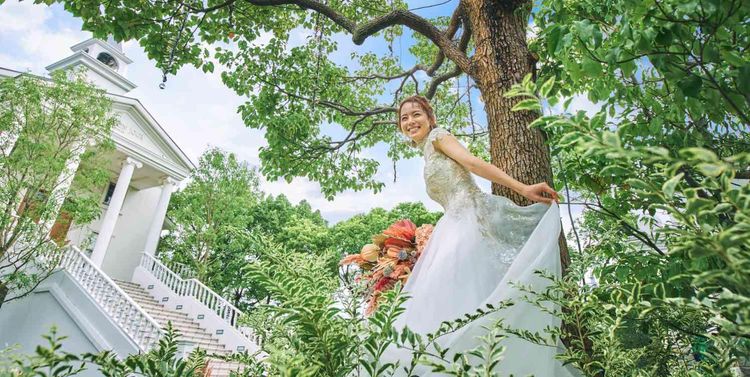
column 113, row 212
column 152, row 240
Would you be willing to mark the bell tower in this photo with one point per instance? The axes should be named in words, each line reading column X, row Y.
column 105, row 64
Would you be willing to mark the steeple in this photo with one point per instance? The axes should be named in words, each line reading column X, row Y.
column 104, row 62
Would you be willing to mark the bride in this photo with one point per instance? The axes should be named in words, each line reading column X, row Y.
column 481, row 245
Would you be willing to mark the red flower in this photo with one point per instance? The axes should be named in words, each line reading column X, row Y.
column 384, row 284
column 402, row 229
column 397, row 250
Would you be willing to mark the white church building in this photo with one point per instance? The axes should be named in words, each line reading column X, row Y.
column 110, row 292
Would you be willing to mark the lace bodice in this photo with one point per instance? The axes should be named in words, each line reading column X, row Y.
column 448, row 183
column 504, row 224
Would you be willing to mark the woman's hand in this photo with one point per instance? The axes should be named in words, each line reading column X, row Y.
column 536, row 193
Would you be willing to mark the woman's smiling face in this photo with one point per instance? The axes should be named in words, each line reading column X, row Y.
column 414, row 121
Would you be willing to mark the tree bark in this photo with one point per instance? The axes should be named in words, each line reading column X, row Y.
column 3, row 293
column 501, row 59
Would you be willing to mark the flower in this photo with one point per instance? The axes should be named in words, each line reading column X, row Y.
column 402, row 229
column 422, row 235
column 352, row 259
column 370, row 252
column 389, row 258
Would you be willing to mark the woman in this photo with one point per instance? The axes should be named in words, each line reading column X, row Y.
column 481, row 245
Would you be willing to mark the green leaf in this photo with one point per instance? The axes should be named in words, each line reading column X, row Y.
column 611, row 139
column 528, row 104
column 591, row 67
column 700, row 154
column 694, row 205
column 711, row 169
column 545, row 89
column 670, row 185
column 691, row 85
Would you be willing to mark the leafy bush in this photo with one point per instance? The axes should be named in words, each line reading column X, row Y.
column 656, row 166
column 51, row 360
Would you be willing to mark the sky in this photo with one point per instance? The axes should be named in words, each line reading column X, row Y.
column 199, row 112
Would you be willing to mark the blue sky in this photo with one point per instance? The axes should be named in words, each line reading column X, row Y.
column 198, row 112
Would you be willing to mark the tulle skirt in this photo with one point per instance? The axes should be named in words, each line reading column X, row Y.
column 477, row 257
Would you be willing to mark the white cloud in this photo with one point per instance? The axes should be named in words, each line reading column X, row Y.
column 22, row 16
column 28, row 38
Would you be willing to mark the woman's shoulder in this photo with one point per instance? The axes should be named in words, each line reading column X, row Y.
column 435, row 134
column 438, row 133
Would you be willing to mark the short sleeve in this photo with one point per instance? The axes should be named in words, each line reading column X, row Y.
column 437, row 134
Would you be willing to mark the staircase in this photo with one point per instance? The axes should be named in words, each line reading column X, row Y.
column 188, row 329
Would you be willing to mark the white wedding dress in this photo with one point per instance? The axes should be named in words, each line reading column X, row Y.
column 481, row 245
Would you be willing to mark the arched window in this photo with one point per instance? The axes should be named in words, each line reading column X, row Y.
column 107, row 59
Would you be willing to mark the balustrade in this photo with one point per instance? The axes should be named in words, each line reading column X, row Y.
column 192, row 288
column 143, row 330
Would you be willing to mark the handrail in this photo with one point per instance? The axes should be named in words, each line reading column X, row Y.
column 142, row 329
column 193, row 288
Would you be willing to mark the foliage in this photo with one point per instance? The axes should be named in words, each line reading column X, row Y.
column 665, row 224
column 211, row 218
column 296, row 227
column 321, row 106
column 219, row 213
column 51, row 360
column 215, row 216
column 44, row 126
column 349, row 235
column 314, row 326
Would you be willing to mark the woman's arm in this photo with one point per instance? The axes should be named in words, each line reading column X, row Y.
column 456, row 151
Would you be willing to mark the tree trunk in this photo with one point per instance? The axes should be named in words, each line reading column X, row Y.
column 3, row 293
column 501, row 59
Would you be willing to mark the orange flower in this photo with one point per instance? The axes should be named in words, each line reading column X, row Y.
column 386, row 266
column 352, row 259
column 402, row 272
column 379, row 240
column 397, row 242
column 402, row 229
column 389, row 258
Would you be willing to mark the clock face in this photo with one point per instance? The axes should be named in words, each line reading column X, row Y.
column 107, row 59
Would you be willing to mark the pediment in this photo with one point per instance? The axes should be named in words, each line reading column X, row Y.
column 139, row 136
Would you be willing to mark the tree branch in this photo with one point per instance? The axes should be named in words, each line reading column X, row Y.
column 432, row 89
column 397, row 17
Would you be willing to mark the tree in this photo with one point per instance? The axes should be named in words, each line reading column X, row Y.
column 294, row 227
column 656, row 169
column 350, row 235
column 211, row 217
column 46, row 126
column 294, row 90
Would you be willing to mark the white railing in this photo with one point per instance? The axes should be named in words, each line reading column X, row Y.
column 192, row 288
column 184, row 271
column 131, row 318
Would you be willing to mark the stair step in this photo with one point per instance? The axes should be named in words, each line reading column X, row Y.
column 141, row 295
column 221, row 368
column 182, row 326
column 168, row 314
column 178, row 324
column 188, row 329
column 151, row 307
column 137, row 291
